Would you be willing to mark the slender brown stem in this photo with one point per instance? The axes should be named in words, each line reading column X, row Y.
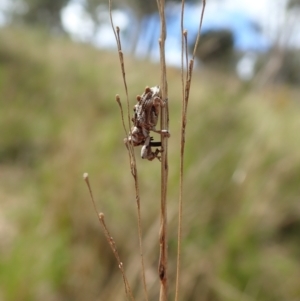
column 133, row 166
column 186, row 84
column 110, row 240
column 164, row 123
column 199, row 28
column 183, row 109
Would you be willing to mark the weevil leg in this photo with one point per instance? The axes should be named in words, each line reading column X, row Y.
column 146, row 151
column 165, row 133
column 155, row 143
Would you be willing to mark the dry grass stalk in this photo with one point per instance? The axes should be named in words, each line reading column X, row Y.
column 110, row 240
column 164, row 124
column 186, row 85
column 133, row 167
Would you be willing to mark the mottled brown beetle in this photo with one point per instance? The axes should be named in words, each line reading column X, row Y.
column 145, row 119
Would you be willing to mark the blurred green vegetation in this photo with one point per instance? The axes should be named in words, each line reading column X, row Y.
column 59, row 119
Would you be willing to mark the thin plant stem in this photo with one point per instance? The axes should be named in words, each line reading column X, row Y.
column 164, row 123
column 133, row 166
column 186, row 84
column 199, row 28
column 110, row 240
column 123, row 123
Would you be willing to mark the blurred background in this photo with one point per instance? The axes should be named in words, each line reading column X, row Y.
column 59, row 73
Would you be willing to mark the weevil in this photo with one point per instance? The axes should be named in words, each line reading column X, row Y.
column 145, row 118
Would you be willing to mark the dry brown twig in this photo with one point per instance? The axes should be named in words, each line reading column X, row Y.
column 130, row 149
column 186, row 85
column 110, row 240
column 164, row 123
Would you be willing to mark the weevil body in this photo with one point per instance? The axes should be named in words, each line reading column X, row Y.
column 146, row 112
